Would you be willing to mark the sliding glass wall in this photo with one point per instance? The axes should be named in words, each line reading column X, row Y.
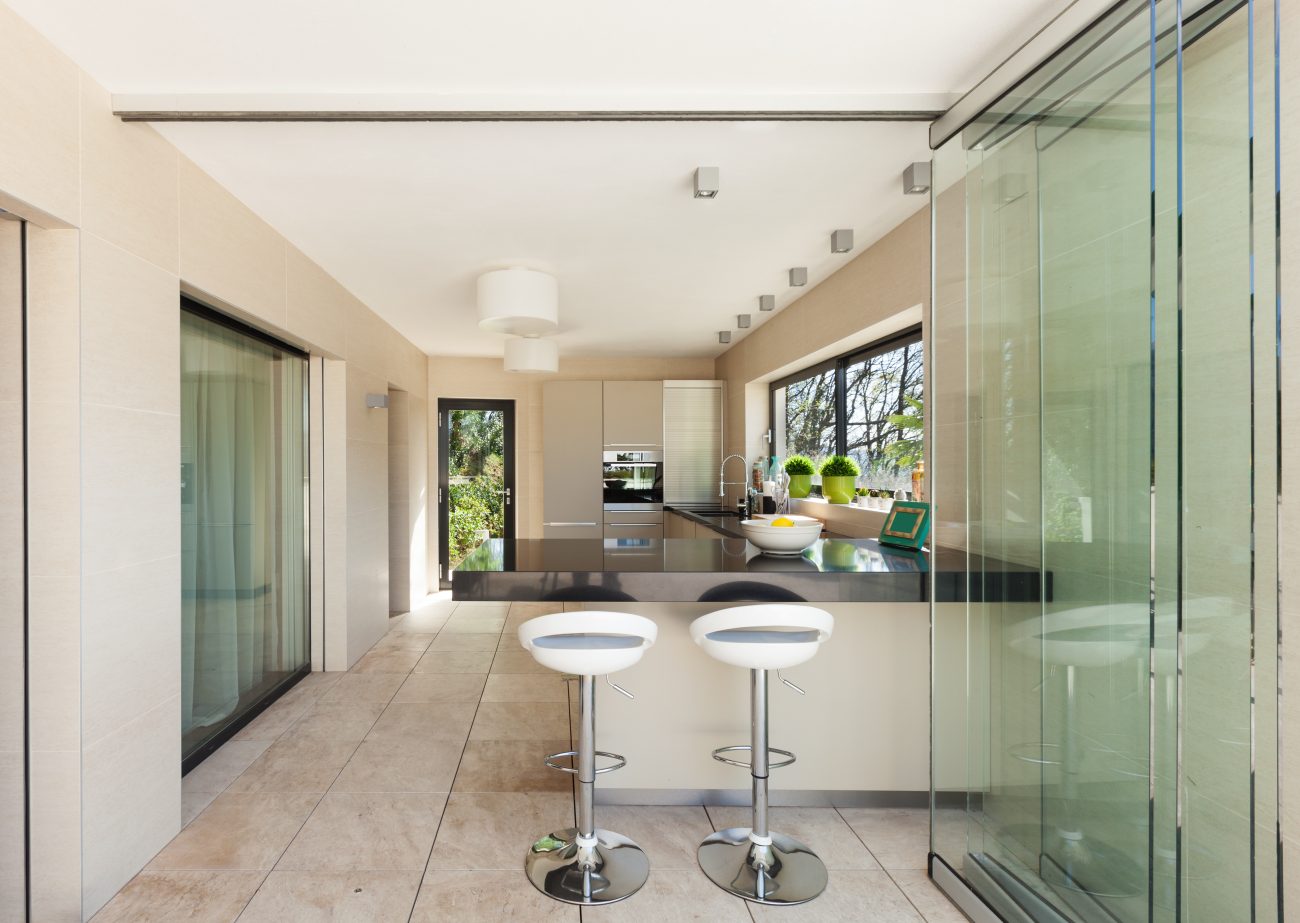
column 1105, row 353
column 243, row 515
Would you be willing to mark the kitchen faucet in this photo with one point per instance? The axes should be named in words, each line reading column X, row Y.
column 723, row 483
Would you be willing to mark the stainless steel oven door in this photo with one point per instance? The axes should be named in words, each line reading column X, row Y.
column 633, row 480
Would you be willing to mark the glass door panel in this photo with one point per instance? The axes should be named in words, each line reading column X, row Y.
column 243, row 523
column 477, row 477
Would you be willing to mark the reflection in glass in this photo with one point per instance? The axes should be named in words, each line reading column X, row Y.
column 243, row 537
column 1106, row 413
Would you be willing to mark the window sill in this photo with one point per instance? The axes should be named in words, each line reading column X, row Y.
column 844, row 518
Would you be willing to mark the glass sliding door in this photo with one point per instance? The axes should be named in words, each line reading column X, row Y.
column 243, row 516
column 1105, row 412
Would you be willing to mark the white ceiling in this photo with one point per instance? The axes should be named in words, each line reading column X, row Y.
column 406, row 215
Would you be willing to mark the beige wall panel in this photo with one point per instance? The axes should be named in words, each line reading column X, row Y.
column 56, row 835
column 39, row 146
column 228, row 252
column 334, row 475
column 419, row 514
column 131, row 787
column 129, row 176
column 130, row 330
column 318, row 306
column 367, row 513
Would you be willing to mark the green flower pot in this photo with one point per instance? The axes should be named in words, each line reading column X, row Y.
column 800, row 485
column 837, row 489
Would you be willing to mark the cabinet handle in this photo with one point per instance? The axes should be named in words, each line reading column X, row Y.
column 566, row 524
column 631, row 525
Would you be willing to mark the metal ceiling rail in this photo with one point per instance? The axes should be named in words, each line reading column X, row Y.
column 493, row 115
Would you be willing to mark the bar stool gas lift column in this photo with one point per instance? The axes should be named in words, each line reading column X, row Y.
column 753, row 862
column 586, row 865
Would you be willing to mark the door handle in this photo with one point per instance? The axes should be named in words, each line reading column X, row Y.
column 506, row 493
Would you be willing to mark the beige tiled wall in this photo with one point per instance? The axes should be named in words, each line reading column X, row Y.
column 890, row 277
column 105, row 562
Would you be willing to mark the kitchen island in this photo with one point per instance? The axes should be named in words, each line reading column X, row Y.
column 861, row 732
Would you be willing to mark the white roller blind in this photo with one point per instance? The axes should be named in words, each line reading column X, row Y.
column 692, row 441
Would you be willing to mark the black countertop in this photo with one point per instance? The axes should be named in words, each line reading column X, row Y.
column 725, row 522
column 723, row 570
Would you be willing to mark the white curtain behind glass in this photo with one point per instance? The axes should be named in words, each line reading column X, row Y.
column 243, row 599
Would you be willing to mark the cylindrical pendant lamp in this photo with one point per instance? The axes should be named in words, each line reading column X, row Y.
column 518, row 301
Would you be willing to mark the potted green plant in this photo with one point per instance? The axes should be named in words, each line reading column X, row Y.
column 838, row 474
column 800, row 470
column 860, row 496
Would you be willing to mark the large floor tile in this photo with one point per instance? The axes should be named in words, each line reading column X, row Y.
column 455, row 662
column 163, row 897
column 517, row 661
column 850, row 897
column 526, row 687
column 387, row 662
column 222, row 767
column 302, row 764
column 683, row 897
column 275, row 720
column 424, row 621
column 335, row 721
column 899, row 838
column 821, row 829
column 531, row 610
column 377, row 688
column 669, row 835
column 400, row 766
column 494, row 831
column 511, row 766
column 430, row 688
column 193, row 803
column 350, row 832
column 486, row 897
column 419, row 722
column 334, row 897
column 926, row 896
column 405, row 641
column 465, row 641
column 477, row 625
column 520, row 721
column 238, row 831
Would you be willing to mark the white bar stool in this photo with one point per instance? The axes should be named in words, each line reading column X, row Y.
column 584, row 864
column 753, row 862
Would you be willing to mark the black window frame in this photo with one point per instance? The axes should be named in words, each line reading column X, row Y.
column 840, row 365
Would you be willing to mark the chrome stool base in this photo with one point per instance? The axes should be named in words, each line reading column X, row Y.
column 787, row 872
column 610, row 871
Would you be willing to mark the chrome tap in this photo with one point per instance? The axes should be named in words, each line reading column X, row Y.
column 723, row 483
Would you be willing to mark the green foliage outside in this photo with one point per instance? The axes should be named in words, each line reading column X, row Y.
column 798, row 464
column 909, row 448
column 476, row 476
column 840, row 466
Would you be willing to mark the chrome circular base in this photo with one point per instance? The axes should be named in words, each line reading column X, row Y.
column 613, row 869
column 787, row 872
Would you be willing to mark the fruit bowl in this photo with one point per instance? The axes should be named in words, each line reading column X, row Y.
column 782, row 539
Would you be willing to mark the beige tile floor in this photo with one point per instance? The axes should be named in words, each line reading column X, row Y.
column 408, row 788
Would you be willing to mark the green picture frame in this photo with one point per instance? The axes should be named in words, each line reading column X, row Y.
column 907, row 525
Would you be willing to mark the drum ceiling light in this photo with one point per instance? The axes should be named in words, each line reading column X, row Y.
column 532, row 354
column 518, row 301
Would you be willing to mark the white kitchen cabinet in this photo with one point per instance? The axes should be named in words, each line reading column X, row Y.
column 572, row 436
column 692, row 441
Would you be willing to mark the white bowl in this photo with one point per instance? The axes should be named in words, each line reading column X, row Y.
column 781, row 539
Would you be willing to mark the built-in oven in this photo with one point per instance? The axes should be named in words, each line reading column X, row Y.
column 633, row 481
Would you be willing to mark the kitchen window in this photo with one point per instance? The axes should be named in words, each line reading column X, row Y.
column 867, row 404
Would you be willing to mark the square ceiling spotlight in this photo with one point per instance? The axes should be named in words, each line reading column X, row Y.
column 767, row 302
column 842, row 240
column 706, row 182
column 916, row 178
column 742, row 321
column 799, row 276
column 724, row 336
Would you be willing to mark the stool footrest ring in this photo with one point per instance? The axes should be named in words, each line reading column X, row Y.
column 717, row 755
column 621, row 761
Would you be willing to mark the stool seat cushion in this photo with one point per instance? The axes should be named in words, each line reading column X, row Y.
column 767, row 637
column 588, row 643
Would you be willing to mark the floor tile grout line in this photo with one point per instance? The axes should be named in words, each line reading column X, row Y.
column 859, row 838
column 447, row 802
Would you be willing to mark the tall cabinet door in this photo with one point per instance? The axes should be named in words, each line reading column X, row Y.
column 634, row 415
column 572, row 435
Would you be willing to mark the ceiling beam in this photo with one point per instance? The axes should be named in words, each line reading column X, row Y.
column 367, row 107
